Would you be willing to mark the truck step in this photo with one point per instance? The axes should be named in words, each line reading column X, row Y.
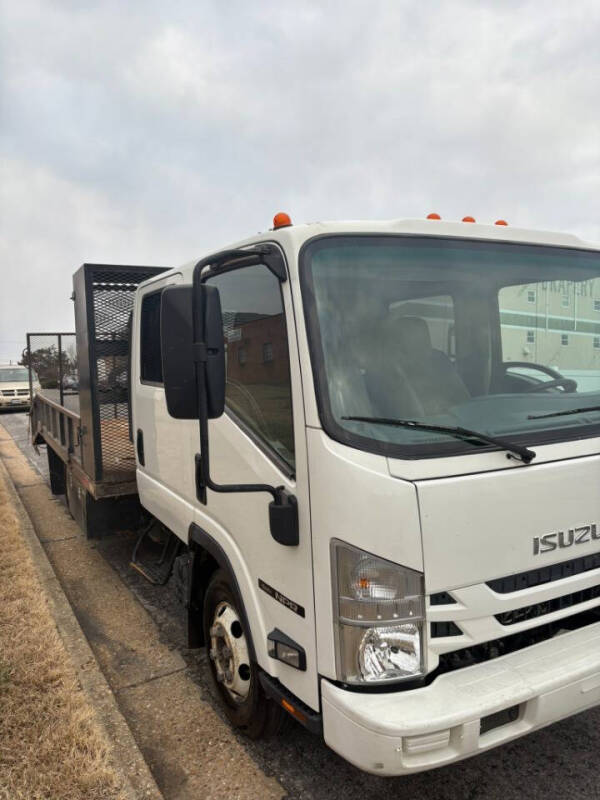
column 155, row 552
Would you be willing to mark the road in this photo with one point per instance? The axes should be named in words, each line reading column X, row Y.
column 556, row 763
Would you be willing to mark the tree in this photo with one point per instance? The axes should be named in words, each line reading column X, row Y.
column 46, row 362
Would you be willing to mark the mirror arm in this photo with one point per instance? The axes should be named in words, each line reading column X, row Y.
column 278, row 493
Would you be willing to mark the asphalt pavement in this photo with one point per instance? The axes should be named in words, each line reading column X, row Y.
column 557, row 763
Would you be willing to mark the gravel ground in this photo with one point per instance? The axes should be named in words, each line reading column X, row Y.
column 557, row 763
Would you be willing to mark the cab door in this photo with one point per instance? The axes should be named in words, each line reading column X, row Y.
column 165, row 447
column 260, row 439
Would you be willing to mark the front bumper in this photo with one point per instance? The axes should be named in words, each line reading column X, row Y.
column 402, row 732
column 14, row 402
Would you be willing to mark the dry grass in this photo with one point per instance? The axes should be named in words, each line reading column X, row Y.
column 51, row 746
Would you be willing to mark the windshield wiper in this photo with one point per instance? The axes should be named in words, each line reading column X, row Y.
column 564, row 413
column 523, row 454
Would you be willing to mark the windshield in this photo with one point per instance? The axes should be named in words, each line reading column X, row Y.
column 13, row 375
column 452, row 332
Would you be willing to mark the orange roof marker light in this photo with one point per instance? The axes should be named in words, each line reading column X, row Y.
column 433, row 215
column 281, row 220
column 468, row 219
column 501, row 222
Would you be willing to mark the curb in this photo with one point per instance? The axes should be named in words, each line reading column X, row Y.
column 127, row 756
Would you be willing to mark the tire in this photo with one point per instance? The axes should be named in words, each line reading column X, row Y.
column 235, row 679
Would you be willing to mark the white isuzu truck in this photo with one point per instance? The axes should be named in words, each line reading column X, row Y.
column 371, row 454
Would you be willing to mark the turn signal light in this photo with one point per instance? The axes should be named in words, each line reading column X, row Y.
column 433, row 215
column 501, row 222
column 468, row 219
column 293, row 711
column 281, row 220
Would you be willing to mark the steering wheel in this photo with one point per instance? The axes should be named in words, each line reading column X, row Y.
column 568, row 384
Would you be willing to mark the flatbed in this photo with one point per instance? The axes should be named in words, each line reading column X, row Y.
column 90, row 449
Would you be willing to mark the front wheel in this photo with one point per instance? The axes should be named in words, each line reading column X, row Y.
column 233, row 672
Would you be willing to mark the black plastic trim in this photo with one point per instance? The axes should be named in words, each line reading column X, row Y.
column 539, row 610
column 140, row 447
column 213, row 548
column 544, row 574
column 276, row 691
column 498, row 719
column 390, row 687
column 442, row 629
column 441, row 599
column 268, row 253
column 279, row 637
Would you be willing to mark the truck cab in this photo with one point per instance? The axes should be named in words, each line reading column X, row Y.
column 377, row 445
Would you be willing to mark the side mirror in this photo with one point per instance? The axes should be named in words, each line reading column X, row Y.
column 208, row 301
column 177, row 346
column 191, row 315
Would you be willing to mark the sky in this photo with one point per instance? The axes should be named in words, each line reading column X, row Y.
column 150, row 132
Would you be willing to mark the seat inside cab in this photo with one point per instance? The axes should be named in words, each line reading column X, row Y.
column 416, row 379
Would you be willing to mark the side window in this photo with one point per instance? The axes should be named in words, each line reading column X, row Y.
column 150, row 355
column 258, row 390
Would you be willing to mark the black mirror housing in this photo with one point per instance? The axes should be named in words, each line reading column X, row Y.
column 210, row 301
column 283, row 520
column 177, row 346
column 181, row 354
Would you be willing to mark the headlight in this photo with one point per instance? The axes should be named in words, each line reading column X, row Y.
column 379, row 611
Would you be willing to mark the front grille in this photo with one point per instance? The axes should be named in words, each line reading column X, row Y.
column 8, row 392
column 553, row 572
column 22, row 391
column 441, row 599
column 439, row 629
column 540, row 609
column 487, row 651
column 480, row 632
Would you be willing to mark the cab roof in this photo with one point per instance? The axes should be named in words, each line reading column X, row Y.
column 292, row 237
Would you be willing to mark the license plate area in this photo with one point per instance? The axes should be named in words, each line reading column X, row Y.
column 498, row 719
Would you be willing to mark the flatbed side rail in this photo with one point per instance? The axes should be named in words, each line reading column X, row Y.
column 57, row 426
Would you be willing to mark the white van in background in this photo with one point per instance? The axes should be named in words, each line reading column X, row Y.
column 14, row 386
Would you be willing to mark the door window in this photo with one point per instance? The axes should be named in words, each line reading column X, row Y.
column 258, row 392
column 151, row 363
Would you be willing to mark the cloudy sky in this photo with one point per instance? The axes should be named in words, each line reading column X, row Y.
column 148, row 132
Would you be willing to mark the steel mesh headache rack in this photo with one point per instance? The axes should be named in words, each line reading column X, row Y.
column 104, row 296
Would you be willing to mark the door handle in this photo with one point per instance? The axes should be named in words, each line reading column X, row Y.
column 140, row 447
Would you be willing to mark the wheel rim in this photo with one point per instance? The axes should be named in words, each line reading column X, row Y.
column 229, row 652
